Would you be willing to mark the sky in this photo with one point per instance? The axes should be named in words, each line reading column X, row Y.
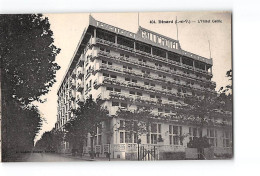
column 194, row 37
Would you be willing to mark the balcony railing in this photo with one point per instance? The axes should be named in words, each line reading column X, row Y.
column 149, row 66
column 73, row 84
column 79, row 99
column 137, row 86
column 153, row 78
column 80, row 87
column 150, row 56
column 80, row 74
column 72, row 96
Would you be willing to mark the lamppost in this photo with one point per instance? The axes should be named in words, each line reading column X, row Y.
column 138, row 148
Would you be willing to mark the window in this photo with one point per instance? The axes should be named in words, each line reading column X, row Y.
column 148, row 138
column 122, row 124
column 212, row 137
column 99, row 140
column 133, row 80
column 152, row 84
column 128, row 137
column 160, row 110
column 195, row 132
column 152, row 96
column 105, row 74
column 113, row 76
column 146, row 83
column 139, row 93
column 117, row 90
column 115, row 103
column 155, row 133
column 104, row 62
column 159, row 128
column 227, row 139
column 110, row 88
column 121, row 137
column 109, row 63
column 127, row 79
column 124, row 105
column 102, row 49
column 132, row 92
column 127, row 67
column 154, row 138
column 135, row 137
column 174, row 133
column 90, row 83
column 163, row 87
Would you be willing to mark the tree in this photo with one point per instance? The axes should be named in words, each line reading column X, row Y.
column 27, row 56
column 50, row 141
column 200, row 109
column 226, row 93
column 28, row 70
column 88, row 117
column 137, row 121
column 25, row 123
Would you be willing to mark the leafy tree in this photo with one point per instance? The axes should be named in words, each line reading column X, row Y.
column 28, row 70
column 27, row 56
column 88, row 117
column 25, row 124
column 226, row 94
column 201, row 108
column 137, row 121
column 50, row 141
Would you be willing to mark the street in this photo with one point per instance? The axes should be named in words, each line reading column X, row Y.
column 38, row 157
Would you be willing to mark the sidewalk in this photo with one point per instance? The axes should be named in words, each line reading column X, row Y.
column 87, row 158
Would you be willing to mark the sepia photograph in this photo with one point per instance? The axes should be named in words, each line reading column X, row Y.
column 137, row 86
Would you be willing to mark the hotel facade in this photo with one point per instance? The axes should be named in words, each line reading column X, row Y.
column 124, row 70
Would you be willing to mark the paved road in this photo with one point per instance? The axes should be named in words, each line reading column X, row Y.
column 38, row 157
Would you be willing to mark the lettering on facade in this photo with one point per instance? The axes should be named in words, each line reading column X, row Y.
column 158, row 39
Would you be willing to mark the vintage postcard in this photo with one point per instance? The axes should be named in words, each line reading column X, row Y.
column 141, row 86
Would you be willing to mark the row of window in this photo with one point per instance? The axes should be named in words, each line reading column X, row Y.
column 139, row 93
column 175, row 133
column 144, row 61
column 148, row 83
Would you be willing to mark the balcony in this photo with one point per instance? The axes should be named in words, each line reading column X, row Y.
column 72, row 96
column 137, row 86
column 81, row 61
column 150, row 56
column 89, row 72
column 80, row 87
column 73, row 74
column 88, row 90
column 73, row 84
column 80, row 74
column 79, row 99
column 151, row 67
column 139, row 99
column 151, row 78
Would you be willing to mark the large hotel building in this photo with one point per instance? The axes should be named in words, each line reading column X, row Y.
column 121, row 69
